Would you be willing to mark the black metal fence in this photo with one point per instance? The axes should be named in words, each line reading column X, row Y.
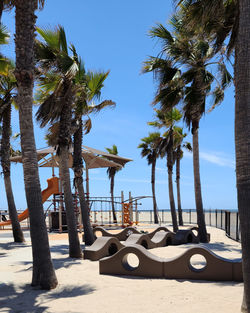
column 222, row 219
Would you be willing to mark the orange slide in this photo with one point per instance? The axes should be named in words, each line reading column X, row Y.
column 53, row 188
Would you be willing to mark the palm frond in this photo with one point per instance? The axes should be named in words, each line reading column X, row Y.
column 87, row 125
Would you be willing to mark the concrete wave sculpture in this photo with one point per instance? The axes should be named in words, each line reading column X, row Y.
column 214, row 268
column 106, row 246
column 122, row 235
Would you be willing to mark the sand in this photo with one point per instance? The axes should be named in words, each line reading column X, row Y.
column 82, row 289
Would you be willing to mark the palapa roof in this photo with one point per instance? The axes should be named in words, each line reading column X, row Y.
column 93, row 158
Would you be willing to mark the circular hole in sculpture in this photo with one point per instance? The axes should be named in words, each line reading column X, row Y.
column 130, row 262
column 198, row 262
column 190, row 238
column 98, row 233
column 144, row 244
column 168, row 241
column 112, row 249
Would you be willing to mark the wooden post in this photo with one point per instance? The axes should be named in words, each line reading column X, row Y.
column 130, row 208
column 136, row 214
column 87, row 184
column 60, row 203
column 122, row 201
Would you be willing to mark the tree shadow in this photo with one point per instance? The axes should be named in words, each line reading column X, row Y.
column 214, row 282
column 25, row 299
column 13, row 245
column 3, row 254
column 221, row 247
column 60, row 249
column 58, row 263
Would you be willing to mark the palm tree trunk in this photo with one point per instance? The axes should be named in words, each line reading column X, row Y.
column 171, row 200
column 74, row 243
column 178, row 159
column 78, row 182
column 242, row 140
column 112, row 180
column 170, row 163
column 197, row 183
column 43, row 270
column 156, row 221
column 64, row 141
column 1, row 11
column 5, row 161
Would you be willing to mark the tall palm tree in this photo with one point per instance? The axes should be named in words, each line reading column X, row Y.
column 87, row 87
column 231, row 19
column 168, row 120
column 43, row 270
column 178, row 154
column 150, row 150
column 7, row 92
column 9, row 4
column 56, row 98
column 194, row 56
column 111, row 171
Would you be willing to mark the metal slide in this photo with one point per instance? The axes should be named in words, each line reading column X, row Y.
column 53, row 188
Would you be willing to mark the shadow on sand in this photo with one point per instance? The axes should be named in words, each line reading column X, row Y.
column 25, row 299
column 13, row 245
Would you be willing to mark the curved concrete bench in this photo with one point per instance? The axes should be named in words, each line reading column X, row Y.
column 185, row 236
column 122, row 236
column 118, row 264
column 102, row 247
column 162, row 239
column 158, row 229
column 215, row 269
column 196, row 228
column 140, row 239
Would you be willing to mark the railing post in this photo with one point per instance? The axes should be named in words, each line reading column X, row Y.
column 189, row 216
column 216, row 218
column 237, row 226
column 210, row 213
column 122, row 200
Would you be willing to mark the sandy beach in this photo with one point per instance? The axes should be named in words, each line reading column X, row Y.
column 82, row 289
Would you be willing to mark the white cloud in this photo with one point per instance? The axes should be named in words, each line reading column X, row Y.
column 161, row 169
column 215, row 158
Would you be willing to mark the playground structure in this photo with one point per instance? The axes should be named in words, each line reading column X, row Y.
column 53, row 188
column 55, row 214
column 93, row 158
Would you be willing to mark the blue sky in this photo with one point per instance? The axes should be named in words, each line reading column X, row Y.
column 112, row 35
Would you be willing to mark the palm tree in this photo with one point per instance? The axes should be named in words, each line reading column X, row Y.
column 7, row 91
column 168, row 120
column 43, row 270
column 111, row 171
column 87, row 86
column 150, row 150
column 194, row 56
column 178, row 154
column 56, row 97
column 231, row 18
column 9, row 4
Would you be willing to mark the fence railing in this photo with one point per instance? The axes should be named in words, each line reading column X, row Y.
column 222, row 219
